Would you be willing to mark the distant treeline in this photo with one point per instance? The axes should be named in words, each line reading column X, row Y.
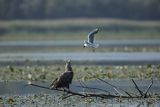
column 54, row 9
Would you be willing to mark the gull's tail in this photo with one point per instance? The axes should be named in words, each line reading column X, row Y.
column 95, row 45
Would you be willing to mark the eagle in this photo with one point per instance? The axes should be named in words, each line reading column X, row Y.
column 65, row 78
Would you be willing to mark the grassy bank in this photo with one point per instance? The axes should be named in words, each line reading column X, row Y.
column 77, row 29
column 48, row 73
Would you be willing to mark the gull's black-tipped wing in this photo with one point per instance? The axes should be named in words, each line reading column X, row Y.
column 91, row 35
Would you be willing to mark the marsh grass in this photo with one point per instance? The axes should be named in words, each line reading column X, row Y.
column 48, row 100
column 78, row 35
column 77, row 29
column 84, row 73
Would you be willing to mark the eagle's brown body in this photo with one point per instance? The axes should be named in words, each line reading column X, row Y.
column 65, row 79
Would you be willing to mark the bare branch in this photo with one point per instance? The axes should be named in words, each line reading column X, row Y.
column 145, row 95
column 140, row 92
column 82, row 86
column 42, row 86
column 118, row 91
column 81, row 94
column 99, row 95
column 115, row 86
column 65, row 97
column 95, row 89
column 68, row 91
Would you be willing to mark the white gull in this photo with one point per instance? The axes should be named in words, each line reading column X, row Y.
column 90, row 42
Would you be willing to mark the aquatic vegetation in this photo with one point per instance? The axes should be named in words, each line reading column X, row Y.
column 49, row 100
column 48, row 73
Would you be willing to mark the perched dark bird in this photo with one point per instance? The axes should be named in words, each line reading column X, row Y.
column 90, row 42
column 65, row 79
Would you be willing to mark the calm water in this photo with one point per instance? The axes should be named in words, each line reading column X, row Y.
column 18, row 94
column 21, row 88
column 111, row 58
column 103, row 43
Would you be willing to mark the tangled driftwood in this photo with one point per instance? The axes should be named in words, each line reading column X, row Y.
column 105, row 95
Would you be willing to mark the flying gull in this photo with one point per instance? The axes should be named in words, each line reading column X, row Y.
column 90, row 42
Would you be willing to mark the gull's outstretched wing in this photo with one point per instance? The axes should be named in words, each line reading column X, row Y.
column 91, row 35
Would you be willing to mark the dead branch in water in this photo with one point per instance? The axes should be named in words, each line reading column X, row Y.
column 115, row 87
column 99, row 95
column 136, row 86
column 75, row 93
column 145, row 94
column 95, row 89
column 68, row 91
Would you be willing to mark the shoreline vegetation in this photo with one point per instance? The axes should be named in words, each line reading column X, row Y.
column 73, row 29
column 48, row 73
